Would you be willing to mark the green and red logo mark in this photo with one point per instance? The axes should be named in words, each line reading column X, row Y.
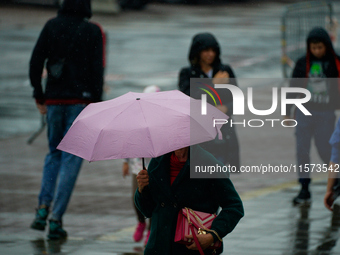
column 210, row 94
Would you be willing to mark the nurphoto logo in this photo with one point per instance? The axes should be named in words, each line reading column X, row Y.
column 239, row 103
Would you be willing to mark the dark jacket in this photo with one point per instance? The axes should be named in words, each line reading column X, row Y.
column 163, row 201
column 228, row 149
column 200, row 42
column 82, row 77
column 330, row 65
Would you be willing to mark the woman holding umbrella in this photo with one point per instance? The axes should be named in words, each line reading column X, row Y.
column 156, row 125
column 205, row 62
column 166, row 187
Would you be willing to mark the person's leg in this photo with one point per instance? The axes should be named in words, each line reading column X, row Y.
column 69, row 167
column 51, row 166
column 67, row 178
column 139, row 231
column 304, row 133
column 324, row 122
column 55, row 133
column 140, row 216
column 69, row 170
column 148, row 233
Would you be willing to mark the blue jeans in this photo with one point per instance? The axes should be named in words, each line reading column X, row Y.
column 320, row 126
column 58, row 163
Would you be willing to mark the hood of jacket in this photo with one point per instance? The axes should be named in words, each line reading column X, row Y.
column 77, row 8
column 321, row 35
column 201, row 42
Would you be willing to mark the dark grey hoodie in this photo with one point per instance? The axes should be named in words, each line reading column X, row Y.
column 82, row 78
column 200, row 42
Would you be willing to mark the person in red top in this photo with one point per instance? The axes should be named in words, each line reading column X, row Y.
column 177, row 162
column 166, row 187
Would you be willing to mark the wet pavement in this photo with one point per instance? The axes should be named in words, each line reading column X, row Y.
column 274, row 229
column 146, row 48
column 100, row 218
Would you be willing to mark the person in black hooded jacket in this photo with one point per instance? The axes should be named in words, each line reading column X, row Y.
column 319, row 65
column 205, row 62
column 78, row 46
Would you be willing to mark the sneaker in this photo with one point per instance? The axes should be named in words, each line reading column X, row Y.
column 56, row 230
column 138, row 235
column 147, row 238
column 303, row 198
column 39, row 222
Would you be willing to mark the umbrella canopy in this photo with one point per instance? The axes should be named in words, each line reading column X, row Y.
column 140, row 125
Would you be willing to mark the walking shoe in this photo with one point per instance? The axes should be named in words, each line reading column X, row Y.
column 138, row 235
column 56, row 230
column 39, row 222
column 303, row 198
column 147, row 238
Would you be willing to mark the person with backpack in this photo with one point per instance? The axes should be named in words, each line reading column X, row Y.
column 74, row 50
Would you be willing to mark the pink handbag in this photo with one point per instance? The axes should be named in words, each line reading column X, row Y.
column 190, row 222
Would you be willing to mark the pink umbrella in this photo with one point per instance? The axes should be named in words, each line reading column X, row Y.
column 140, row 125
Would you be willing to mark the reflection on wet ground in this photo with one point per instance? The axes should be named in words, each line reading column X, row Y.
column 303, row 233
column 42, row 246
column 332, row 235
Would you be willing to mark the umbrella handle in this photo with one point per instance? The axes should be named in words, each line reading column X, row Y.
column 143, row 163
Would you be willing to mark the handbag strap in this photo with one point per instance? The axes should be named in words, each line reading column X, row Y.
column 196, row 240
column 193, row 232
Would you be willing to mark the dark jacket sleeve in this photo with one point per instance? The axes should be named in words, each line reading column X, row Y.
column 226, row 196
column 184, row 81
column 98, row 63
column 39, row 55
column 145, row 202
column 299, row 72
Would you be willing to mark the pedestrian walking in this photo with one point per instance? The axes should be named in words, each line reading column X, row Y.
column 333, row 185
column 134, row 165
column 318, row 65
column 205, row 62
column 166, row 187
column 73, row 48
